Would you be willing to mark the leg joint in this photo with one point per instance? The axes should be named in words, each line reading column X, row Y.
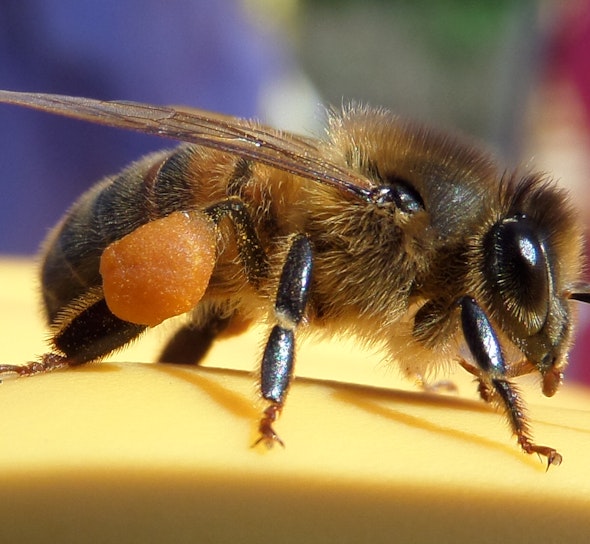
column 249, row 245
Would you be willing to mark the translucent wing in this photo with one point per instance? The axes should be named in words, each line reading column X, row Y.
column 285, row 151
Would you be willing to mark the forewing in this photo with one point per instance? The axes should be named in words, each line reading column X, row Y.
column 285, row 151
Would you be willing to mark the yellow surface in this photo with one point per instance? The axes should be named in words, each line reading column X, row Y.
column 119, row 452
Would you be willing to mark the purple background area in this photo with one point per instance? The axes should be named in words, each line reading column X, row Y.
column 191, row 52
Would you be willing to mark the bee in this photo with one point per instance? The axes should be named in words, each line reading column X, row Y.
column 407, row 238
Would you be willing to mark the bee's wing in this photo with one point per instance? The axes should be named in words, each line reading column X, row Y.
column 285, row 151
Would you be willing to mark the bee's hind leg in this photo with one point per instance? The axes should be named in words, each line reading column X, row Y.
column 191, row 343
column 46, row 363
column 89, row 335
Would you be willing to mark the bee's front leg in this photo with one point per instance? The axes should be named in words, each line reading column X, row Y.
column 279, row 354
column 492, row 373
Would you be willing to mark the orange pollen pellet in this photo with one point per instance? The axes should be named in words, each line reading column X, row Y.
column 161, row 269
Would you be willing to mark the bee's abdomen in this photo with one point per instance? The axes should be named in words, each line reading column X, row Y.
column 151, row 188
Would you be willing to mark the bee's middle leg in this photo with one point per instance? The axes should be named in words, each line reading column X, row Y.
column 279, row 354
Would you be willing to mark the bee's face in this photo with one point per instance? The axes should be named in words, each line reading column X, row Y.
column 529, row 269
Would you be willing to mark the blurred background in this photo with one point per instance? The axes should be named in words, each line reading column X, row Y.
column 515, row 74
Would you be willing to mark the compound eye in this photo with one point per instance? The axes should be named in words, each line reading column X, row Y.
column 519, row 271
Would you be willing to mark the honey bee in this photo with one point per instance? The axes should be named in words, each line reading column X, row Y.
column 407, row 238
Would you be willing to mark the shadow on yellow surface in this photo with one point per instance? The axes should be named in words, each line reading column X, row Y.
column 162, row 453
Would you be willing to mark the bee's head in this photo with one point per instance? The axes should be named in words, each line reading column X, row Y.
column 531, row 261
